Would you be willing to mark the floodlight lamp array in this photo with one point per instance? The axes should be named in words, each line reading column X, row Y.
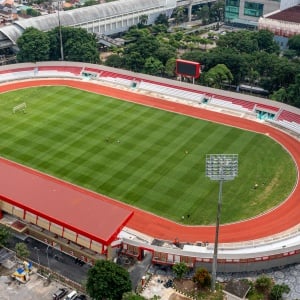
column 221, row 166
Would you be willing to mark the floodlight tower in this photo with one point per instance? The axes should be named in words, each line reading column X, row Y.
column 221, row 167
column 60, row 34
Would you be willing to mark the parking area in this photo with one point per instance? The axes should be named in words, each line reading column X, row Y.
column 35, row 289
column 39, row 288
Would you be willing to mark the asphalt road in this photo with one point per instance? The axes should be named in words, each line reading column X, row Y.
column 65, row 265
column 54, row 259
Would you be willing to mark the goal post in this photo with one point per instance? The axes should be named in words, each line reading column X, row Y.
column 20, row 107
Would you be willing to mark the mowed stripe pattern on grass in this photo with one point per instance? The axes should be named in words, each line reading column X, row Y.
column 146, row 157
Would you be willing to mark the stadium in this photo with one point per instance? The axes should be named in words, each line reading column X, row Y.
column 52, row 210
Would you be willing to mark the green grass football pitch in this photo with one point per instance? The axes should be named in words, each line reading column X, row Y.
column 148, row 158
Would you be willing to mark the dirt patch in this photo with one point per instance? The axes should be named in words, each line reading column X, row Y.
column 186, row 286
column 155, row 287
column 105, row 55
column 5, row 271
column 176, row 296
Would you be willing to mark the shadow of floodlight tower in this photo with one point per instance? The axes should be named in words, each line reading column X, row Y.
column 48, row 256
column 37, row 254
column 220, row 167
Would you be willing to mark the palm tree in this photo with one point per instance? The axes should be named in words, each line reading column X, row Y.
column 143, row 20
column 179, row 14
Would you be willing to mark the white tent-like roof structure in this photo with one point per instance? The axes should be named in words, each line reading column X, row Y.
column 107, row 18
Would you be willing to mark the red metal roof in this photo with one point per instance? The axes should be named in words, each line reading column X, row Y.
column 70, row 206
column 291, row 14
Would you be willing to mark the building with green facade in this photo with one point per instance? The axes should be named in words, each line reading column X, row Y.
column 245, row 13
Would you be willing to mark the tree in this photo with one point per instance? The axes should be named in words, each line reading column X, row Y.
column 132, row 296
column 202, row 278
column 153, row 66
column 78, row 45
column 293, row 92
column 134, row 33
column 243, row 41
column 34, row 46
column 164, row 52
column 198, row 56
column 90, row 2
column 180, row 269
column 265, row 39
column 145, row 45
column 217, row 11
column 162, row 19
column 203, row 14
column 170, row 67
column 179, row 14
column 266, row 64
column 143, row 20
column 247, row 44
column 263, row 284
column 289, row 53
column 114, row 61
column 205, row 42
column 32, row 12
column 249, row 41
column 294, row 43
column 234, row 61
column 22, row 250
column 4, row 235
column 280, row 95
column 282, row 73
column 142, row 49
column 159, row 28
column 77, row 50
column 218, row 75
column 107, row 280
column 178, row 36
column 133, row 61
column 277, row 291
column 252, row 76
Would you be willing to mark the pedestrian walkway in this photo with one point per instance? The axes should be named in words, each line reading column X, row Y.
column 156, row 288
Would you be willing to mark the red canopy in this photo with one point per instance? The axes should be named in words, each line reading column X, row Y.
column 62, row 203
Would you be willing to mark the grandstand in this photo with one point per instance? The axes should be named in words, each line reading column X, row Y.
column 278, row 113
column 59, row 221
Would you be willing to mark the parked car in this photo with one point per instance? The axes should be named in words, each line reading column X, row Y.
column 71, row 296
column 59, row 294
column 81, row 297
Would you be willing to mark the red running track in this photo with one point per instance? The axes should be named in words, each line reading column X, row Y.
column 282, row 218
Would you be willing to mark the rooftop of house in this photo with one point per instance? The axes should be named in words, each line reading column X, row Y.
column 291, row 14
